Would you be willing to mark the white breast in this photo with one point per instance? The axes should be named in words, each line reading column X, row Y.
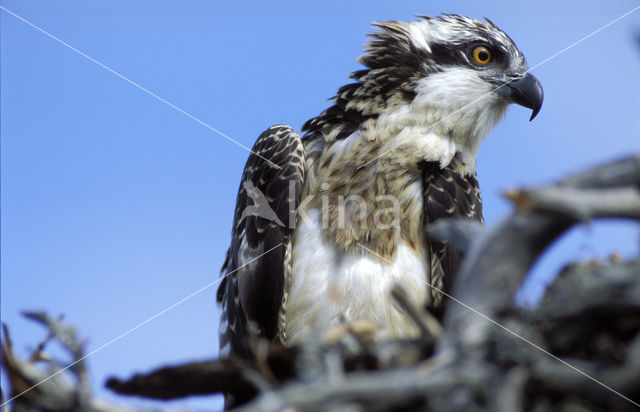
column 326, row 285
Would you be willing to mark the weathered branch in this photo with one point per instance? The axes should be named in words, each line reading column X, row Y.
column 34, row 388
column 459, row 233
column 589, row 318
column 195, row 378
column 498, row 261
column 492, row 271
column 624, row 172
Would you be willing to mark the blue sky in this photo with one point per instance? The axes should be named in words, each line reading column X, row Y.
column 115, row 206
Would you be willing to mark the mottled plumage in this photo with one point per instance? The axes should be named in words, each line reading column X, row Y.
column 399, row 142
column 259, row 258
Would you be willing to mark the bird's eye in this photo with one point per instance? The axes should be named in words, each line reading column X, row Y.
column 481, row 55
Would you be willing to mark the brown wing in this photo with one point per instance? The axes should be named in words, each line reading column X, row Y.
column 257, row 268
column 447, row 194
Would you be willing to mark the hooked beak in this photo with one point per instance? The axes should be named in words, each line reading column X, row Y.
column 525, row 91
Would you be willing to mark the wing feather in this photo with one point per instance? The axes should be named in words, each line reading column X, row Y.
column 257, row 269
column 447, row 193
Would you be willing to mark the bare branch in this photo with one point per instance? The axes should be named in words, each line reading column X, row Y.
column 499, row 259
column 588, row 321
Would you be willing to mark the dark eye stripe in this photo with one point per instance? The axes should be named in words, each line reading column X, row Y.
column 446, row 55
column 462, row 54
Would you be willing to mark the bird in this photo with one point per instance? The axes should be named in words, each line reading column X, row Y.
column 350, row 196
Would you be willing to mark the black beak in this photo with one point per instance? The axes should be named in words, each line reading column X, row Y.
column 525, row 91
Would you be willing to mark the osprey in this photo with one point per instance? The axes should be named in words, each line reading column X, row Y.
column 328, row 222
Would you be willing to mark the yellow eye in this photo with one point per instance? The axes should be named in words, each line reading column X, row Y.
column 481, row 55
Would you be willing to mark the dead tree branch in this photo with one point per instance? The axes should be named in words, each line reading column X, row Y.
column 579, row 350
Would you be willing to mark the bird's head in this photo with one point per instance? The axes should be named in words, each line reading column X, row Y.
column 451, row 76
column 451, row 58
